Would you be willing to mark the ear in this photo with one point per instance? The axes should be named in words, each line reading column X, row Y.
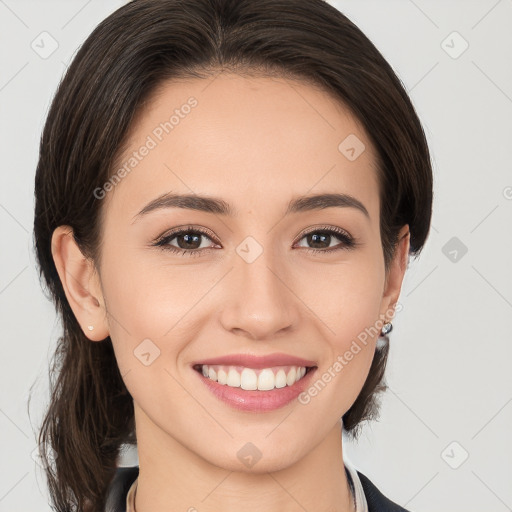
column 81, row 284
column 396, row 272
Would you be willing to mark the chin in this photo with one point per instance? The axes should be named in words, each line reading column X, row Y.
column 249, row 459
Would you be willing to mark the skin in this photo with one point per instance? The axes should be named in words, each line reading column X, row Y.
column 256, row 143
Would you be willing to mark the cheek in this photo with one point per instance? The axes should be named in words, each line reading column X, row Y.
column 346, row 297
column 149, row 297
column 149, row 326
column 152, row 301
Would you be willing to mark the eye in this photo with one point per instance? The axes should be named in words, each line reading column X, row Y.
column 321, row 236
column 188, row 240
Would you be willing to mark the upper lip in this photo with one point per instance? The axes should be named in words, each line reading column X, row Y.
column 257, row 362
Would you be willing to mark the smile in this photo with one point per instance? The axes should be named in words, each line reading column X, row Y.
column 250, row 379
column 255, row 383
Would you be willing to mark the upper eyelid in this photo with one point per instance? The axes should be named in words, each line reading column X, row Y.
column 334, row 229
column 185, row 229
column 206, row 232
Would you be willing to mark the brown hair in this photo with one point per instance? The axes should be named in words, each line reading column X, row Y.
column 115, row 71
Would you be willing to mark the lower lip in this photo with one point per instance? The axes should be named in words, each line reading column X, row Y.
column 254, row 400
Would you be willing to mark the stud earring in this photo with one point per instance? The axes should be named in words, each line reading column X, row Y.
column 386, row 328
column 90, row 327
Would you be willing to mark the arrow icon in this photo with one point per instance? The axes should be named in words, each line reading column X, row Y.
column 454, row 45
column 454, row 249
column 146, row 352
column 249, row 455
column 44, row 44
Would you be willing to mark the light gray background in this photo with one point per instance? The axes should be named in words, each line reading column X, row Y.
column 449, row 370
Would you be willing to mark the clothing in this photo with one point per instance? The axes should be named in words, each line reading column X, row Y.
column 121, row 493
column 356, row 488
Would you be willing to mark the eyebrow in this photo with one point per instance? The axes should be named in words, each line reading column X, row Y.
column 220, row 207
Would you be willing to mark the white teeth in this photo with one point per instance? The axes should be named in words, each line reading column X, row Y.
column 290, row 378
column 281, row 378
column 266, row 380
column 250, row 379
column 222, row 377
column 234, row 378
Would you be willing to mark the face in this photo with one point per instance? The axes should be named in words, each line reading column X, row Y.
column 266, row 277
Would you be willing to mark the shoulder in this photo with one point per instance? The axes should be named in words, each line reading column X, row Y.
column 377, row 502
column 119, row 487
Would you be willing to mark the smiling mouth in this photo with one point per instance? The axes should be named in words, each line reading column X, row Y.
column 261, row 379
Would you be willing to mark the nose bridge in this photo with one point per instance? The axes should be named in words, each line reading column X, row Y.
column 261, row 303
column 257, row 260
column 257, row 264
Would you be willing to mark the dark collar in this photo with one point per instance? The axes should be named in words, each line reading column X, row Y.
column 377, row 502
column 124, row 477
column 119, row 487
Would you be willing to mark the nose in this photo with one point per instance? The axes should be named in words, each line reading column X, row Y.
column 259, row 300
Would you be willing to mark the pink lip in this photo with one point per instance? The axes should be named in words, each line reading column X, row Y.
column 257, row 401
column 257, row 362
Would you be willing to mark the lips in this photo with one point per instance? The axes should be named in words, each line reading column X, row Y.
column 257, row 362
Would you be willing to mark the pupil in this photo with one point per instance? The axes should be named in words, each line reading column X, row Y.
column 187, row 237
column 314, row 238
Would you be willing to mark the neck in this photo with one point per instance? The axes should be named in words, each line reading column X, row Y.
column 172, row 477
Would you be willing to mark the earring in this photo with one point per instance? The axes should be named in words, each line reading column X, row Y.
column 90, row 327
column 386, row 328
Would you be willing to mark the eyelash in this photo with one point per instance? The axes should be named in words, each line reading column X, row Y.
column 162, row 242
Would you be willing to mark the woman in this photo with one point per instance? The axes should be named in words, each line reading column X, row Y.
column 227, row 195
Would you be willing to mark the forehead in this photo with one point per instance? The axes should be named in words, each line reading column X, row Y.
column 252, row 141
